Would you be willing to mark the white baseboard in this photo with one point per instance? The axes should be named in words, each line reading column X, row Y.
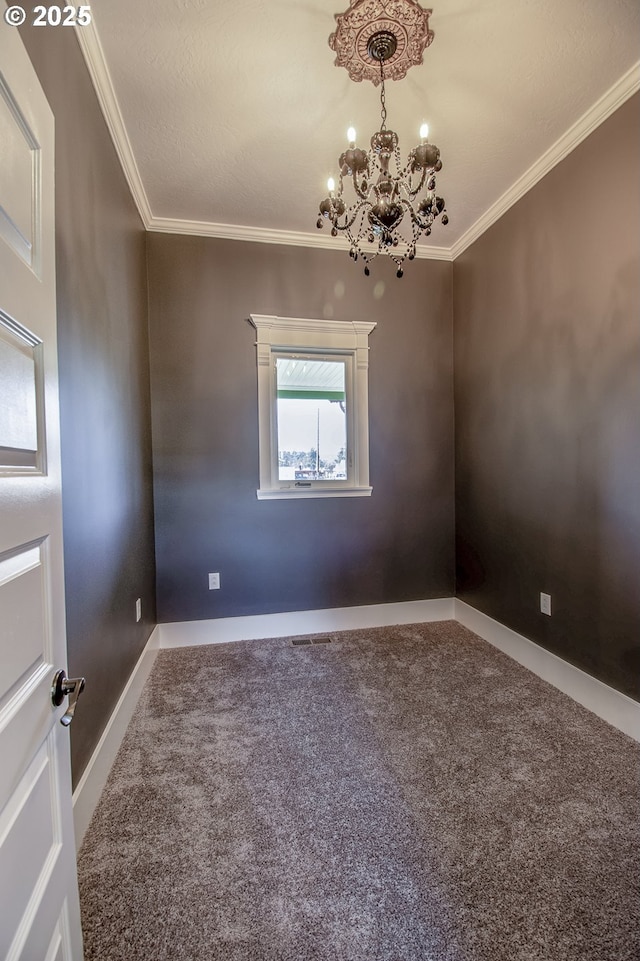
column 94, row 778
column 223, row 629
column 611, row 705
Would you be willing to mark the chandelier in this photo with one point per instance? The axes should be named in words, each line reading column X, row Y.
column 390, row 210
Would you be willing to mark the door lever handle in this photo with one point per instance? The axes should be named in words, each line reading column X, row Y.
column 63, row 686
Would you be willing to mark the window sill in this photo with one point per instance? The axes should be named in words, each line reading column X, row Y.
column 297, row 493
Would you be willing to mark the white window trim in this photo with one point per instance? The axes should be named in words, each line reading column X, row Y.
column 277, row 334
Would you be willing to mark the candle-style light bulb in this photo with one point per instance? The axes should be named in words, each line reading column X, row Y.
column 424, row 132
column 351, row 135
column 331, row 185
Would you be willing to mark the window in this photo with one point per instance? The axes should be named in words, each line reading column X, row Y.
column 312, row 407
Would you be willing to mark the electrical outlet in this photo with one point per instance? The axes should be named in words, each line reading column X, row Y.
column 545, row 604
column 214, row 582
column 139, row 609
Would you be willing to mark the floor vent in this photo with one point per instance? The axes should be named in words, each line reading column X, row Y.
column 308, row 641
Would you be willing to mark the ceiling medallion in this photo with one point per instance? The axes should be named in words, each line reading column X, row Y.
column 403, row 19
column 391, row 209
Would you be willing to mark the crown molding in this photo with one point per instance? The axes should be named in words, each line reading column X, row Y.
column 264, row 235
column 93, row 54
column 94, row 58
column 624, row 88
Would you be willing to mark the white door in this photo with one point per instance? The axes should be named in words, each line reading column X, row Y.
column 39, row 913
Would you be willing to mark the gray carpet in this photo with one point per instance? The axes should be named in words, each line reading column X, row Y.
column 401, row 794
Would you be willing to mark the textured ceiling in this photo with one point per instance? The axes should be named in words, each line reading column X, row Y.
column 236, row 114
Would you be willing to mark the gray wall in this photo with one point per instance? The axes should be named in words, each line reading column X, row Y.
column 104, row 393
column 283, row 555
column 547, row 395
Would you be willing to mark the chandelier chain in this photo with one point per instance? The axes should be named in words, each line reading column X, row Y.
column 383, row 99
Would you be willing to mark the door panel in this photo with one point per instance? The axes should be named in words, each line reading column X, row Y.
column 28, row 813
column 20, row 397
column 21, row 614
column 20, row 158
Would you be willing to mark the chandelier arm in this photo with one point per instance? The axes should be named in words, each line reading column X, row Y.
column 419, row 226
column 348, row 224
column 423, row 225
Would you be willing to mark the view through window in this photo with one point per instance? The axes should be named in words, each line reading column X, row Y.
column 311, row 418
